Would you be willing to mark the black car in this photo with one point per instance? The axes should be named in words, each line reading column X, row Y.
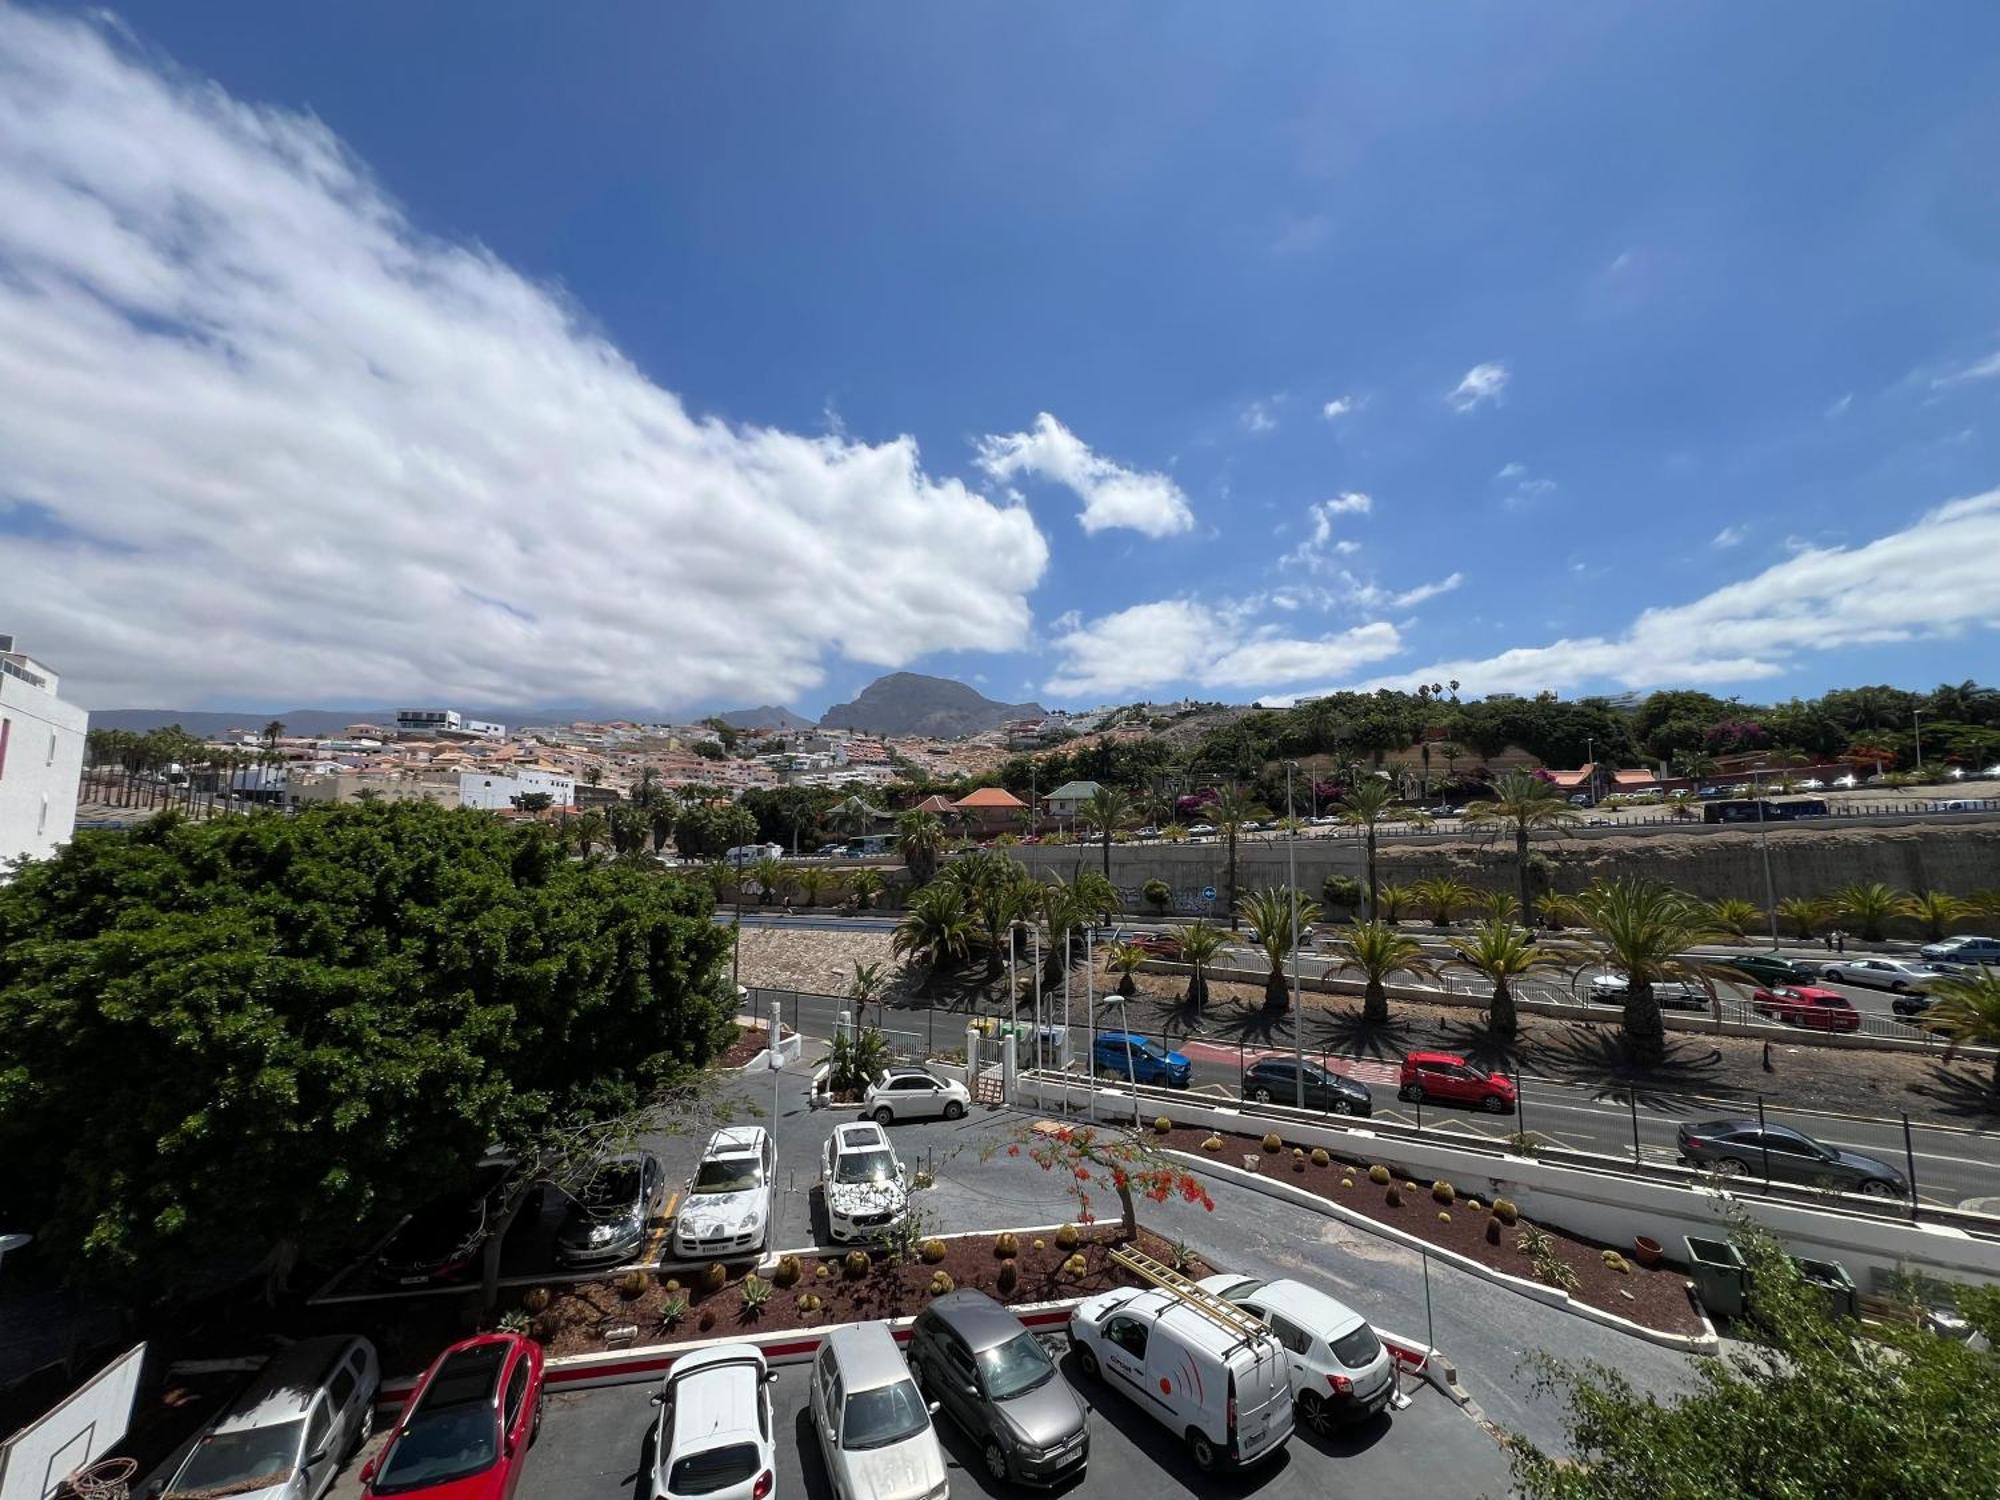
column 1275, row 1080
column 443, row 1238
column 610, row 1216
column 1741, row 1148
column 1909, row 1007
column 1769, row 968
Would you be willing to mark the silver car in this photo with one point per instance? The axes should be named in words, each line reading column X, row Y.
column 287, row 1435
column 994, row 1379
column 1897, row 974
column 874, row 1427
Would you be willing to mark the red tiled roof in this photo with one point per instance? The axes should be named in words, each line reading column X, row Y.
column 990, row 796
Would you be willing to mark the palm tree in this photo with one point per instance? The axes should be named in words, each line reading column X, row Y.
column 1441, row 895
column 1560, row 911
column 1200, row 941
column 1269, row 911
column 865, row 885
column 1966, row 1011
column 1175, row 833
column 1126, row 959
column 1393, row 900
column 1734, row 916
column 1869, row 907
column 869, row 983
column 1366, row 804
column 1376, row 950
column 1526, row 804
column 1807, row 914
column 1644, row 928
column 936, row 929
column 1934, row 911
column 997, row 891
column 814, row 882
column 1499, row 906
column 1683, row 804
column 1229, row 812
column 1451, row 752
column 920, row 840
column 1501, row 953
column 662, row 812
column 1693, row 764
column 1109, row 809
column 587, row 829
column 1986, row 903
column 770, row 876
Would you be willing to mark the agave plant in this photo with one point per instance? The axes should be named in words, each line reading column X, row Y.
column 1376, row 950
column 1441, row 896
column 1501, row 953
column 1869, row 907
column 1175, row 833
column 1934, row 911
column 1734, row 916
column 1270, row 912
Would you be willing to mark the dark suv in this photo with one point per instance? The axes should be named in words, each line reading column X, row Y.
column 1275, row 1080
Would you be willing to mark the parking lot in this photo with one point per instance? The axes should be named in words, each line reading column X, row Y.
column 596, row 1445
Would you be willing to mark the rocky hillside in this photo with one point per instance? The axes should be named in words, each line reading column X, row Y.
column 765, row 716
column 911, row 703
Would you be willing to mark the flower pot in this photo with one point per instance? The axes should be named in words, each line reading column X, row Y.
column 1647, row 1251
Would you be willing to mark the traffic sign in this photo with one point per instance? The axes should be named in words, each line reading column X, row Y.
column 1208, row 893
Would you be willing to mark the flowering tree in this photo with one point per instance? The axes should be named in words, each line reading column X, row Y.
column 1108, row 1161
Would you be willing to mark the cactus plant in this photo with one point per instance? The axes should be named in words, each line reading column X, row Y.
column 788, row 1271
column 1009, row 1277
column 941, row 1283
column 1347, row 1182
column 1162, row 1125
column 1379, row 1175
column 632, row 1285
column 932, row 1250
column 810, row 1303
column 1005, row 1246
column 673, row 1312
column 1075, row 1266
column 821, row 1271
column 1505, row 1211
column 1443, row 1192
column 1394, row 1196
column 756, row 1292
column 536, row 1299
column 1272, row 1142
column 1213, row 1143
column 1444, row 1216
column 1320, row 1157
column 1041, row 1244
column 713, row 1275
column 1068, row 1237
column 855, row 1264
column 1493, row 1231
column 1472, row 1205
column 1617, row 1262
column 515, row 1320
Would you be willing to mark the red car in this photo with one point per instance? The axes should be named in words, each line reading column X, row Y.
column 1446, row 1075
column 465, row 1429
column 1159, row 944
column 1803, row 1005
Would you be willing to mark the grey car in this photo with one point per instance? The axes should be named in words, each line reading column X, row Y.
column 309, row 1408
column 992, row 1377
column 1740, row 1148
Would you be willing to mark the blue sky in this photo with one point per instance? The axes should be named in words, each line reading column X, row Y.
column 668, row 356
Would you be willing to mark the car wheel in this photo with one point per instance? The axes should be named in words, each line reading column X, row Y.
column 953, row 1110
column 1261, row 1095
column 1086, row 1361
column 885, row 1116
column 1341, row 1106
column 1835, row 975
column 1875, row 1187
column 365, row 1428
column 996, row 1461
column 1201, row 1450
column 1729, row 1166
column 1414, row 1093
column 1316, row 1414
column 1493, row 1104
column 535, row 1430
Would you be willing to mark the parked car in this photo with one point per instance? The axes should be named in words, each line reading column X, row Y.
column 1275, row 1080
column 1200, row 830
column 1768, row 968
column 1737, row 1148
column 287, row 1434
column 713, row 1438
column 1909, row 1007
column 1897, row 974
column 1221, row 1386
column 862, row 1181
column 442, row 1239
column 874, row 1429
column 1965, row 951
column 996, row 1381
column 1804, row 1005
column 1158, row 944
column 726, row 1211
column 611, row 1215
column 745, row 855
column 914, row 1094
column 1129, row 1055
column 1340, row 1372
column 1447, row 1076
column 466, row 1426
column 1812, row 784
column 1672, row 994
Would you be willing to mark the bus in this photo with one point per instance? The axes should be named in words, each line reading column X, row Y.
column 1763, row 810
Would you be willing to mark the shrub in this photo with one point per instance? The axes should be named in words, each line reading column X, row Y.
column 941, row 1283
column 536, row 1299
column 1068, row 1237
column 1379, row 1176
column 756, row 1292
column 1444, row 1192
column 633, row 1284
column 1005, row 1246
column 932, row 1251
column 713, row 1275
column 1505, row 1211
column 673, row 1312
column 1213, row 1143
column 1075, row 1266
column 1320, row 1157
column 1162, row 1125
column 1272, row 1143
column 855, row 1264
column 1010, row 1275
column 1157, row 893
column 788, row 1271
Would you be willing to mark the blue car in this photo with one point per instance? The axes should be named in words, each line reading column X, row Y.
column 1129, row 1055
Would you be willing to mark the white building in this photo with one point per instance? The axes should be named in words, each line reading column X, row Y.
column 446, row 721
column 496, row 793
column 41, row 758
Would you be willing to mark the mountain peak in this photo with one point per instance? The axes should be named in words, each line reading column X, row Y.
column 912, row 703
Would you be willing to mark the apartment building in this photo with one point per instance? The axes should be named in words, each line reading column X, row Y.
column 41, row 757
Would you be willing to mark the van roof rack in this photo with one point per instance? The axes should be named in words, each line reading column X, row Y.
column 1225, row 1314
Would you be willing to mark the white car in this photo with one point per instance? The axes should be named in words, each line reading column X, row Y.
column 862, row 1182
column 1340, row 1371
column 1847, row 781
column 714, row 1434
column 874, row 1426
column 1812, row 784
column 1897, row 974
column 727, row 1210
column 286, row 1436
column 1201, row 829
column 914, row 1094
column 1672, row 994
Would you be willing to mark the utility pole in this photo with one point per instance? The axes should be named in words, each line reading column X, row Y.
column 1770, row 885
column 1917, row 720
column 1298, row 1009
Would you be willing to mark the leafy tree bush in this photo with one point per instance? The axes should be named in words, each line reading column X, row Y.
column 272, row 1036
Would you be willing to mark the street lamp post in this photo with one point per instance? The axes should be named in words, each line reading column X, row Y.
column 1917, row 721
column 1298, row 1010
column 1590, row 765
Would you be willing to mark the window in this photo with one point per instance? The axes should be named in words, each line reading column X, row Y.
column 1357, row 1350
column 960, row 1361
column 888, row 1414
column 316, row 1429
column 517, row 1392
column 716, row 1469
column 52, row 748
column 1291, row 1336
column 341, row 1389
column 1128, row 1334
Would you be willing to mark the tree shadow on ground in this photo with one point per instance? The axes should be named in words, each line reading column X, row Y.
column 1346, row 1033
column 1592, row 1056
column 1961, row 1092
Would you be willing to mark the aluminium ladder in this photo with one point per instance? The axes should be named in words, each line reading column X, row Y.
column 1218, row 1310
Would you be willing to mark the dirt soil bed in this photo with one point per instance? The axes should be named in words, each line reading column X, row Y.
column 574, row 1321
column 750, row 1040
column 1657, row 1298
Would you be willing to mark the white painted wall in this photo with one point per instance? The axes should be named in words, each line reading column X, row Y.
column 496, row 793
column 41, row 762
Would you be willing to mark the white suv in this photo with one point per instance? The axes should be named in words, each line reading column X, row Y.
column 914, row 1094
column 1340, row 1372
column 714, row 1435
column 862, row 1181
column 727, row 1212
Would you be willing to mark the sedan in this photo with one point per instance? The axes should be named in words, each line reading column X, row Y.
column 1897, row 974
column 1275, row 1080
column 1672, row 994
column 1740, row 1148
column 1202, row 829
column 992, row 1377
column 466, row 1427
column 1768, row 968
column 1158, row 944
column 610, row 1215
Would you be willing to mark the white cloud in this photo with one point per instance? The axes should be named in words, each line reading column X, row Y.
column 1311, row 554
column 1511, row 471
column 1480, row 384
column 1339, row 406
column 1984, row 369
column 1346, row 548
column 289, row 447
column 1839, row 407
column 1260, row 417
column 1524, row 489
column 1112, row 495
column 1351, row 503
column 1730, row 536
column 1933, row 579
column 1425, row 591
column 1182, row 640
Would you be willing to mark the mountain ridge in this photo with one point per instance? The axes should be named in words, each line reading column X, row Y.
column 913, row 703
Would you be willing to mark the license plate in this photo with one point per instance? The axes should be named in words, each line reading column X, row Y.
column 412, row 1281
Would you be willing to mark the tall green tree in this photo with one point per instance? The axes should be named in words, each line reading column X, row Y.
column 1232, row 808
column 1376, row 950
column 1870, row 906
column 1501, row 953
column 1645, row 930
column 1966, row 1011
column 1934, row 911
column 1108, row 809
column 936, row 930
column 319, row 1023
column 1200, row 941
column 1271, row 912
column 1522, row 804
column 920, row 840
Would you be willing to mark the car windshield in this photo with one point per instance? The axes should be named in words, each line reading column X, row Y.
column 734, row 1174
column 616, row 1187
column 1357, row 1350
column 1016, row 1366
column 716, row 1469
column 231, row 1463
column 440, row 1445
column 877, row 1418
column 865, row 1166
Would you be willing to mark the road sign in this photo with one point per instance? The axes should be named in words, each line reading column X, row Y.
column 1208, row 893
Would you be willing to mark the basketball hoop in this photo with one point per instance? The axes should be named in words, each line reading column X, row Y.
column 107, row 1479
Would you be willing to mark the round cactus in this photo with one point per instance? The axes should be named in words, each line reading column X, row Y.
column 822, row 1271
column 1347, row 1182
column 788, row 1271
column 1213, row 1143
column 1272, row 1142
column 1068, row 1237
column 713, row 1275
column 1009, row 1277
column 632, row 1285
column 1505, row 1211
column 1075, row 1266
column 1443, row 1192
column 941, row 1283
column 1041, row 1244
column 1379, row 1176
column 536, row 1299
column 1319, row 1157
column 810, row 1302
column 1444, row 1217
column 855, row 1263
column 1162, row 1125
column 1394, row 1196
column 1492, row 1231
column 1005, row 1246
column 1472, row 1205
column 932, row 1251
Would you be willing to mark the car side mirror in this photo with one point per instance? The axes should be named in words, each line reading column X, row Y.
column 934, row 1407
column 318, row 1458
column 770, row 1377
column 659, row 1398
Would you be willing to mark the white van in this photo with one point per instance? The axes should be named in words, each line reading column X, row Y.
column 744, row 855
column 1212, row 1373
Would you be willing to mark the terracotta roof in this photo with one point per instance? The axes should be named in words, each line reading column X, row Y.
column 990, row 796
column 1634, row 778
column 937, row 802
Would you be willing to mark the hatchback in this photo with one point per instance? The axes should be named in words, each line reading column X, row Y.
column 286, row 1436
column 994, row 1379
column 874, row 1427
column 1276, row 1080
column 610, row 1216
column 714, row 1432
column 1140, row 1058
column 914, row 1094
column 1340, row 1370
column 1445, row 1075
column 466, row 1426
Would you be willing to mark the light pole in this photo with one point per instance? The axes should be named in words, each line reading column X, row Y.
column 1770, row 886
column 1917, row 720
column 1298, row 1010
column 1590, row 764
